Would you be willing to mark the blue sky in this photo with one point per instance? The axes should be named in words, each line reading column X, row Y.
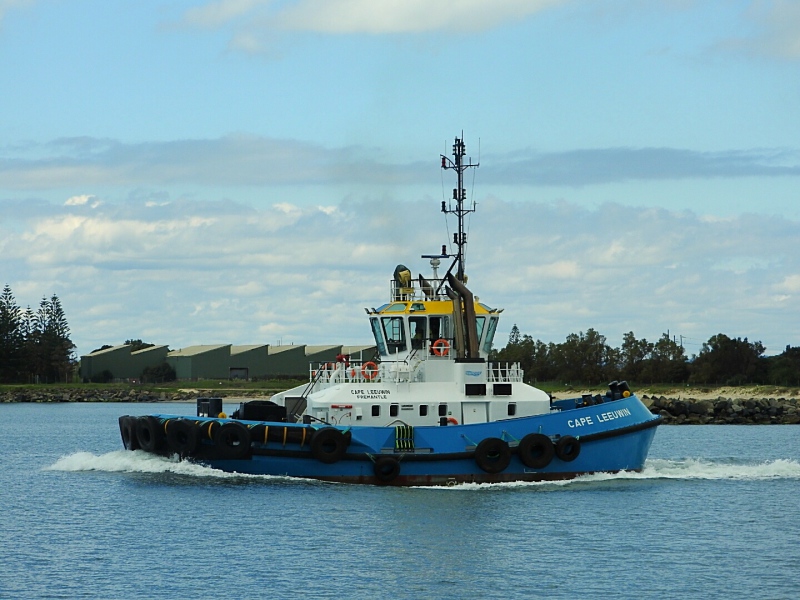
column 250, row 171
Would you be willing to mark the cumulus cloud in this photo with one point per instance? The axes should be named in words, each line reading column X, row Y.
column 194, row 272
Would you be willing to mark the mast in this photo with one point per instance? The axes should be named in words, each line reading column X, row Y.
column 460, row 196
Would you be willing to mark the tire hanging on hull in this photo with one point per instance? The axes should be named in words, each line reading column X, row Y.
column 149, row 434
column 493, row 455
column 568, row 448
column 183, row 437
column 386, row 469
column 127, row 428
column 328, row 445
column 232, row 441
column 536, row 450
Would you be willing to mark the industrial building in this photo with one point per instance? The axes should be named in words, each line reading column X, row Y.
column 220, row 361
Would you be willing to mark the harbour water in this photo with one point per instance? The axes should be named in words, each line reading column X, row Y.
column 715, row 514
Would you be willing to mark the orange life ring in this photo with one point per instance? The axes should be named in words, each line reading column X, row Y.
column 441, row 347
column 452, row 420
column 369, row 370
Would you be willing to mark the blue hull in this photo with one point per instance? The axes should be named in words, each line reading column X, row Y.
column 608, row 437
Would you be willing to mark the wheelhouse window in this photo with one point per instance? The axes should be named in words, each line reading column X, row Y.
column 418, row 329
column 479, row 324
column 395, row 332
column 376, row 333
column 491, row 329
column 440, row 328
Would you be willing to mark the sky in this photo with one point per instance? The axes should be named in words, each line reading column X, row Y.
column 251, row 171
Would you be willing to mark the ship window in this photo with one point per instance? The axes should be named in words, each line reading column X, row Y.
column 512, row 409
column 440, row 328
column 443, row 410
column 376, row 410
column 397, row 307
column 417, row 327
column 479, row 323
column 394, row 409
column 376, row 332
column 395, row 333
column 423, row 410
column 487, row 344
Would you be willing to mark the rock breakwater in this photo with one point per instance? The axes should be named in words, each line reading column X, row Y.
column 77, row 395
column 721, row 410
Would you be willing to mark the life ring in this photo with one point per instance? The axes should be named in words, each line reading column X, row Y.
column 536, row 450
column 452, row 421
column 493, row 455
column 386, row 469
column 232, row 441
column 127, row 428
column 328, row 445
column 148, row 433
column 568, row 448
column 183, row 437
column 369, row 370
column 441, row 347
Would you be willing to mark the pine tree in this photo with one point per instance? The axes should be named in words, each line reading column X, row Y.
column 11, row 337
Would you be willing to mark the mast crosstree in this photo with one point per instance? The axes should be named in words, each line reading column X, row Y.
column 458, row 165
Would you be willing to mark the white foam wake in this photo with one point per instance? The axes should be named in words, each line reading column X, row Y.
column 654, row 469
column 138, row 461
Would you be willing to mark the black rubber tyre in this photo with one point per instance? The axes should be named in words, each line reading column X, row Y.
column 232, row 441
column 386, row 469
column 493, row 455
column 149, row 434
column 568, row 448
column 183, row 437
column 536, row 450
column 127, row 428
column 328, row 445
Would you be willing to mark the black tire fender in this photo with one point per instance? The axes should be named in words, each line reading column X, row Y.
column 536, row 450
column 386, row 469
column 328, row 445
column 232, row 441
column 183, row 437
column 493, row 455
column 149, row 434
column 127, row 428
column 568, row 448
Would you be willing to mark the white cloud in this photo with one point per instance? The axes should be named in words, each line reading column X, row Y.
column 78, row 200
column 404, row 16
column 776, row 30
column 191, row 273
column 256, row 20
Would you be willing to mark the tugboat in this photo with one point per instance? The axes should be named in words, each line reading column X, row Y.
column 429, row 409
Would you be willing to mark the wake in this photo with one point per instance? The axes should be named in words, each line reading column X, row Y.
column 138, row 461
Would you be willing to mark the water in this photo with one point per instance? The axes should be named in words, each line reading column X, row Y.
column 715, row 514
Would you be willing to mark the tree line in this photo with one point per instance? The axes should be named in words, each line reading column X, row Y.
column 34, row 345
column 586, row 358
